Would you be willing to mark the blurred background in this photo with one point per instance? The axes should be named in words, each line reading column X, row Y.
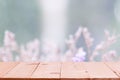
column 55, row 20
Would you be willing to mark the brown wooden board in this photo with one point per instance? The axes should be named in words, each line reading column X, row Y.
column 73, row 71
column 114, row 66
column 60, row 71
column 47, row 71
column 99, row 71
column 6, row 67
column 21, row 71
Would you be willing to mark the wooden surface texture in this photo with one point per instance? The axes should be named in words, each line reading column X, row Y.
column 59, row 70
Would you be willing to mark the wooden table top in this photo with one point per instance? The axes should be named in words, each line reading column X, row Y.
column 60, row 71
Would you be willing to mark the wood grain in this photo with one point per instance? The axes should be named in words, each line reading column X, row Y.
column 71, row 71
column 114, row 66
column 6, row 67
column 60, row 71
column 99, row 71
column 21, row 71
column 47, row 71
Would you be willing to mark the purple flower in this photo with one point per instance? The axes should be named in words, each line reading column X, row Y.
column 79, row 56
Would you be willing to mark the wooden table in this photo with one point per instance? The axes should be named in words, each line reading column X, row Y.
column 60, row 71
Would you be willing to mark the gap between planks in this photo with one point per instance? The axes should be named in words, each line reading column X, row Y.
column 22, row 71
column 98, row 70
column 114, row 66
column 74, row 71
column 63, row 71
column 47, row 71
column 6, row 67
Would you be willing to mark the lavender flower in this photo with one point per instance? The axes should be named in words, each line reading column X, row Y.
column 71, row 43
column 30, row 51
column 51, row 52
column 79, row 56
column 104, row 46
column 88, row 39
column 110, row 56
column 9, row 40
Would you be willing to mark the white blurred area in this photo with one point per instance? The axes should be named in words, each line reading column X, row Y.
column 117, row 10
column 54, row 20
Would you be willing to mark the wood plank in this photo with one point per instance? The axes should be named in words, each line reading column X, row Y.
column 60, row 71
column 47, row 71
column 114, row 66
column 21, row 71
column 99, row 71
column 5, row 67
column 73, row 71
